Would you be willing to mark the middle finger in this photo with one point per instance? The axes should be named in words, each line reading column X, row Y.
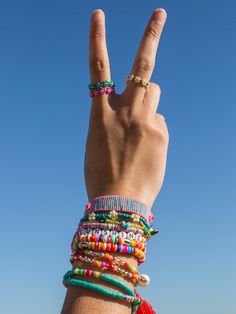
column 145, row 59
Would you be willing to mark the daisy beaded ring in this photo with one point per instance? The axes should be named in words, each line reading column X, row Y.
column 137, row 80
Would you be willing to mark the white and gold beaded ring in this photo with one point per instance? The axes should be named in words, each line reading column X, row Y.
column 137, row 79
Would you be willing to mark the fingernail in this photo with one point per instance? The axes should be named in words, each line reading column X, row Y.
column 101, row 17
column 160, row 14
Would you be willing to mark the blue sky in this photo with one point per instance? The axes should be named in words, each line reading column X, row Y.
column 44, row 111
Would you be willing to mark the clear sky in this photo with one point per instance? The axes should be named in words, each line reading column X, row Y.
column 44, row 111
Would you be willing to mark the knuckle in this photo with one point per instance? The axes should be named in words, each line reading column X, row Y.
column 153, row 30
column 138, row 127
column 124, row 118
column 163, row 136
column 97, row 65
column 156, row 87
column 145, row 64
column 97, row 34
column 141, row 127
column 160, row 116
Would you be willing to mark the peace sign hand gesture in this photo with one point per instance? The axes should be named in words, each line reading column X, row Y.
column 127, row 140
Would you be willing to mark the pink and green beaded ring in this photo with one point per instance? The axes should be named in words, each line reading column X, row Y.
column 101, row 88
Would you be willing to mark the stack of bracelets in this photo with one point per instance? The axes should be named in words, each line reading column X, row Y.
column 111, row 223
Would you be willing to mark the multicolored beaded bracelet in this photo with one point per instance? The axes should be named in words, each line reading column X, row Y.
column 112, row 233
column 108, row 239
column 114, row 215
column 127, row 224
column 130, row 298
column 120, row 203
column 137, row 278
column 121, row 226
column 111, row 259
column 110, row 247
column 107, row 226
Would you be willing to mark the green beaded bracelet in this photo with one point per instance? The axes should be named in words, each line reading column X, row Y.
column 104, row 216
column 132, row 298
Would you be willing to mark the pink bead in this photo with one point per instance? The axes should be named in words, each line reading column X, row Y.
column 151, row 218
column 88, row 206
column 102, row 91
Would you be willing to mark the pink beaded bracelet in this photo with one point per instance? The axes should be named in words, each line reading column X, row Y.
column 110, row 247
column 108, row 240
column 112, row 237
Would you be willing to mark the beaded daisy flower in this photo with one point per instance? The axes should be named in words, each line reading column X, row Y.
column 92, row 216
column 113, row 215
column 135, row 217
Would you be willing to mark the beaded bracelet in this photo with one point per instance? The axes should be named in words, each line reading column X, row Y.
column 96, row 233
column 112, row 233
column 137, row 278
column 107, row 239
column 110, row 247
column 130, row 298
column 108, row 226
column 111, row 259
column 126, row 226
column 120, row 203
column 114, row 215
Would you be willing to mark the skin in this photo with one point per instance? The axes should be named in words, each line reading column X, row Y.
column 127, row 143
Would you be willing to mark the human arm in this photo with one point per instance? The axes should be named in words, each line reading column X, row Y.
column 127, row 142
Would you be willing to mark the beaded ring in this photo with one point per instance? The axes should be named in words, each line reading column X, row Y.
column 130, row 298
column 101, row 88
column 96, row 86
column 137, row 79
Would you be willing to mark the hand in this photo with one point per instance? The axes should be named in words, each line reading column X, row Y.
column 127, row 141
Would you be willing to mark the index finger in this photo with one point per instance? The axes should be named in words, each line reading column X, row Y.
column 145, row 59
column 98, row 55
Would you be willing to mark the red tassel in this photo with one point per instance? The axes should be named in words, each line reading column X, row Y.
column 145, row 307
